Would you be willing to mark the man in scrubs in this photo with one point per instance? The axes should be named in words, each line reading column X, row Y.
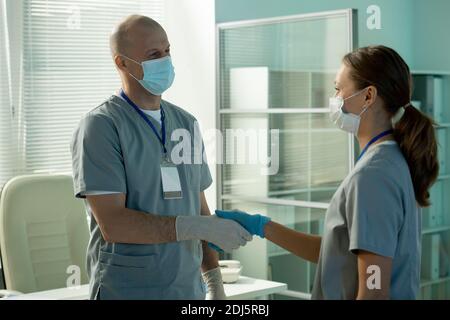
column 150, row 223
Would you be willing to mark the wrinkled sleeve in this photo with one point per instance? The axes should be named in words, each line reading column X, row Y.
column 97, row 160
column 374, row 212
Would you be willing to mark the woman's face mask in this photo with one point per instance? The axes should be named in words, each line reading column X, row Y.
column 158, row 74
column 348, row 122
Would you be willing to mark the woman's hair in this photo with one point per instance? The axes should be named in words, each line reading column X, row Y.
column 383, row 68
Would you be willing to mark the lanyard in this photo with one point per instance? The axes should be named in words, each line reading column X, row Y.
column 374, row 139
column 161, row 138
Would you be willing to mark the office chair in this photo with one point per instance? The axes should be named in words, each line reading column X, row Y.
column 43, row 231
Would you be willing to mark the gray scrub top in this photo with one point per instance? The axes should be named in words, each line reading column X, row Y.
column 114, row 149
column 375, row 210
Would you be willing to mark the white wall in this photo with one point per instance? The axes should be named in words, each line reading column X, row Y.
column 190, row 25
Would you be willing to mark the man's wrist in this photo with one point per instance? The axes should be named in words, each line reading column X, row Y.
column 213, row 279
column 189, row 228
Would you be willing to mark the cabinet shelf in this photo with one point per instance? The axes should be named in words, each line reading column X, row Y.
column 308, row 110
column 444, row 177
column 278, row 253
column 435, row 229
column 428, row 282
column 430, row 72
column 444, row 125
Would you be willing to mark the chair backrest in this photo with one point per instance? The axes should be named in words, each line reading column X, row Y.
column 43, row 231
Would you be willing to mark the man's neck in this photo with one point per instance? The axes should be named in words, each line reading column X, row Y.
column 141, row 97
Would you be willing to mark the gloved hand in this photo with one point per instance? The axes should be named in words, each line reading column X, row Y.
column 213, row 279
column 254, row 223
column 226, row 234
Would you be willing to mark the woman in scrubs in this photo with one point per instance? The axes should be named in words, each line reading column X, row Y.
column 371, row 246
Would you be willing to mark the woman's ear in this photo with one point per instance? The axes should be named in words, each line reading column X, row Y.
column 371, row 95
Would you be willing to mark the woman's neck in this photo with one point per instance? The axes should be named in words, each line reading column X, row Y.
column 364, row 136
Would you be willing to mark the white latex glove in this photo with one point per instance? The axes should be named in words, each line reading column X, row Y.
column 224, row 233
column 213, row 279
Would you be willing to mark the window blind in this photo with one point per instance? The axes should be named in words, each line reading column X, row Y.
column 67, row 70
column 8, row 154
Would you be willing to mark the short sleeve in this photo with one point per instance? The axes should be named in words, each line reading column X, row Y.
column 97, row 160
column 374, row 212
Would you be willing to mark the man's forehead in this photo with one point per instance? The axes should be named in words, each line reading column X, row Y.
column 149, row 38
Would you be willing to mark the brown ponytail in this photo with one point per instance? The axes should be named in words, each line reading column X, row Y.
column 383, row 68
column 415, row 135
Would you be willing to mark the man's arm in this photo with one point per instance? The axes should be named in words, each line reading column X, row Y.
column 119, row 224
column 210, row 256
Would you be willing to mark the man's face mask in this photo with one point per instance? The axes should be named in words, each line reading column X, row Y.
column 348, row 122
column 158, row 74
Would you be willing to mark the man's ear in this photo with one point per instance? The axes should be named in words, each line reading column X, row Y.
column 120, row 62
column 371, row 95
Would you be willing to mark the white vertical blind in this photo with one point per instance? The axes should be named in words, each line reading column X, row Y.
column 67, row 70
column 8, row 152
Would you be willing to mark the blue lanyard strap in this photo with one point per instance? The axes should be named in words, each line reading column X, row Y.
column 161, row 138
column 375, row 139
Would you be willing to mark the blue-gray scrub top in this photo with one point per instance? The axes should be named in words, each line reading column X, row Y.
column 114, row 149
column 374, row 210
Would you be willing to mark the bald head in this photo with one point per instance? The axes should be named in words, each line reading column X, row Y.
column 132, row 31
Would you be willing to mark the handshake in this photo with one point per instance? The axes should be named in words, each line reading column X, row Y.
column 225, row 231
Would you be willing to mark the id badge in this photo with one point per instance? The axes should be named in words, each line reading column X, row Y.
column 170, row 180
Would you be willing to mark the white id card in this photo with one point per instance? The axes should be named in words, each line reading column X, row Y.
column 170, row 181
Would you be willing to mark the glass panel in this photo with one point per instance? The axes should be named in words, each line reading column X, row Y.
column 312, row 156
column 282, row 266
column 289, row 64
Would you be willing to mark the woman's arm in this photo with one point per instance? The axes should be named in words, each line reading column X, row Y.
column 374, row 276
column 306, row 246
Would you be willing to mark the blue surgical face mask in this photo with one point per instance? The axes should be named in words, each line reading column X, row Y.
column 158, row 74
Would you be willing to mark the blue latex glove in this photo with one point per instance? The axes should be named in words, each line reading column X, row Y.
column 254, row 223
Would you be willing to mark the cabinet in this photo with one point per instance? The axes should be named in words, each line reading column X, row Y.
column 432, row 96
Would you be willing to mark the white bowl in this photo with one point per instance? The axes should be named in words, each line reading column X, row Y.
column 230, row 270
